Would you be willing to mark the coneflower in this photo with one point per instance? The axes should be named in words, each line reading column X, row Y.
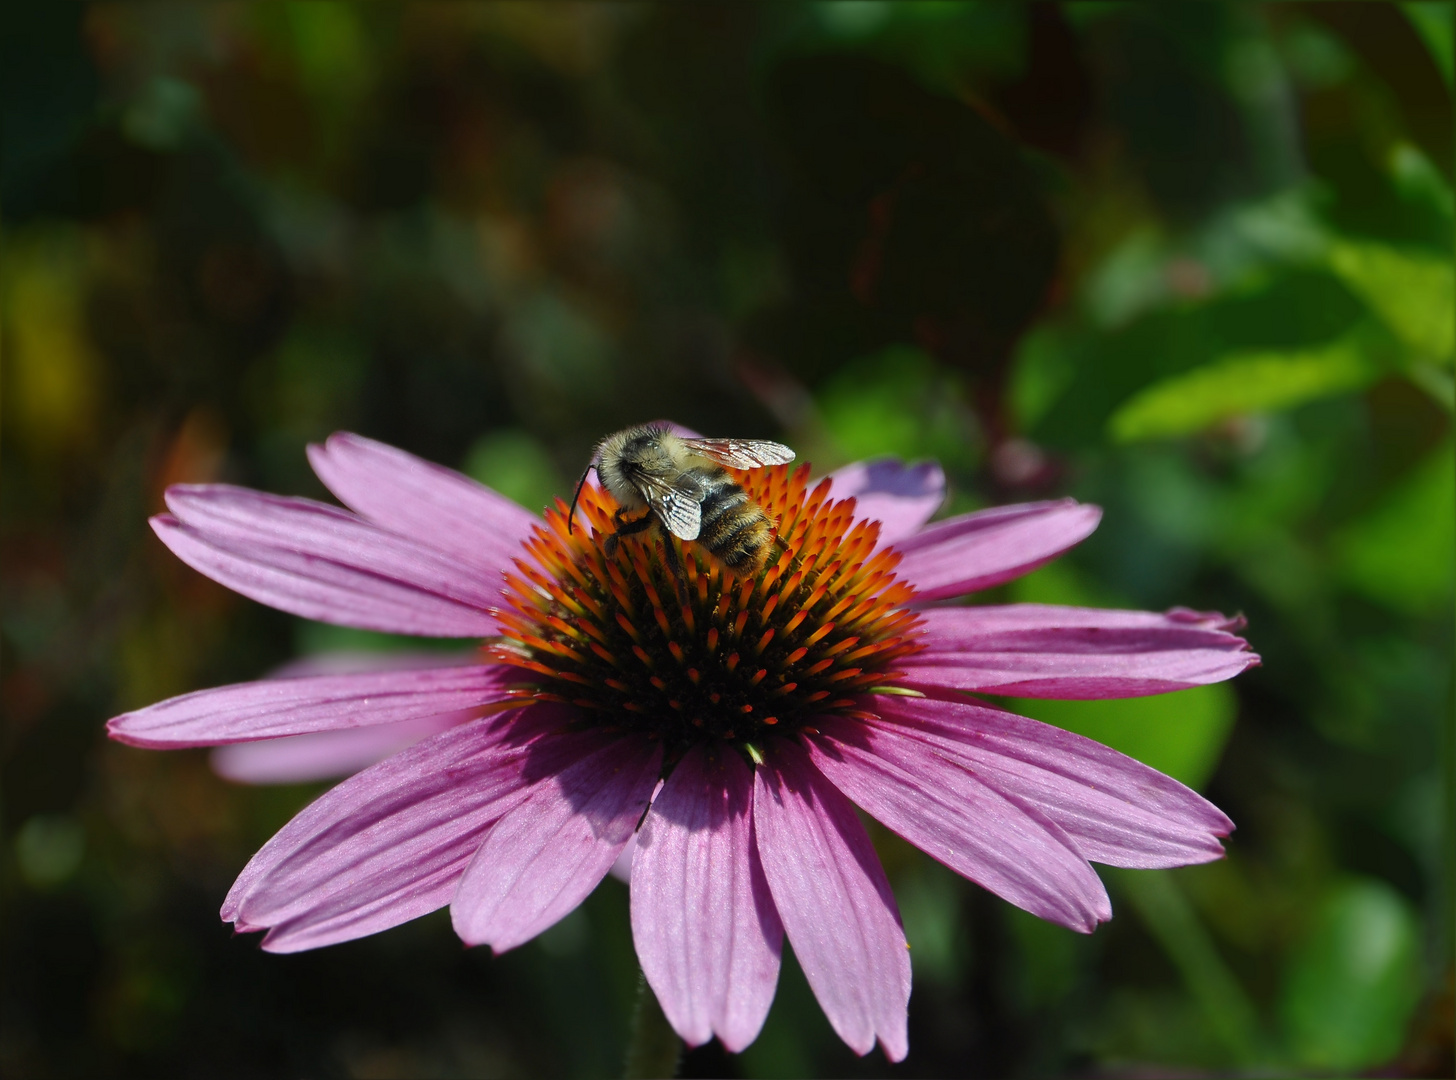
column 731, row 732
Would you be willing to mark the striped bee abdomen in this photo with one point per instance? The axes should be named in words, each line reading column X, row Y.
column 734, row 529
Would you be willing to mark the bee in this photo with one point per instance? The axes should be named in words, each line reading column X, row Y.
column 685, row 489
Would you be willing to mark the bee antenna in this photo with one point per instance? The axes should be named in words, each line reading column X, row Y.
column 579, row 485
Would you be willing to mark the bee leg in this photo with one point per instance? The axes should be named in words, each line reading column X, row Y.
column 670, row 556
column 781, row 548
column 625, row 528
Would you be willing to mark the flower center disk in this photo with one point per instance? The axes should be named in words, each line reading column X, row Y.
column 740, row 656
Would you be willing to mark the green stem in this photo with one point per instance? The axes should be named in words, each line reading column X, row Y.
column 1175, row 925
column 653, row 1048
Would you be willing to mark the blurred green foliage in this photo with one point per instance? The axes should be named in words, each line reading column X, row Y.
column 899, row 402
column 1354, row 978
column 1192, row 262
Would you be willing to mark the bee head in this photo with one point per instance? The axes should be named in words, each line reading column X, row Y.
column 622, row 458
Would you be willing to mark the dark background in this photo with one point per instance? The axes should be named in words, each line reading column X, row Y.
column 1189, row 261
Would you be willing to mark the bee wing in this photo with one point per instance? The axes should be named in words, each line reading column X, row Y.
column 741, row 453
column 678, row 506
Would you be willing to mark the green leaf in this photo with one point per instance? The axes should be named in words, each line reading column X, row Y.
column 1291, row 309
column 1040, row 373
column 1420, row 183
column 1354, row 981
column 1400, row 553
column 899, row 401
column 330, row 48
column 1181, row 734
column 1414, row 293
column 1432, row 21
column 1240, row 383
column 513, row 463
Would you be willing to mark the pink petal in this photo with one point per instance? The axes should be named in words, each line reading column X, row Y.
column 1116, row 810
column 275, row 707
column 543, row 858
column 388, row 844
column 706, row 930
column 835, row 902
column 329, row 755
column 323, row 563
column 324, row 755
column 442, row 508
column 1000, row 843
column 1038, row 650
column 975, row 551
column 900, row 497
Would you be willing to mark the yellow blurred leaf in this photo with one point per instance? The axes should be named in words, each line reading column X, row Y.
column 50, row 386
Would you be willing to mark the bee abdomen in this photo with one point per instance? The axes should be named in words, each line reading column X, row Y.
column 734, row 529
column 747, row 549
column 721, row 499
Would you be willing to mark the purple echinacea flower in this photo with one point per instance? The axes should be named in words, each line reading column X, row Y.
column 731, row 735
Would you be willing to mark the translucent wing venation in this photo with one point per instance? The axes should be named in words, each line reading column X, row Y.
column 742, row 453
column 677, row 505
